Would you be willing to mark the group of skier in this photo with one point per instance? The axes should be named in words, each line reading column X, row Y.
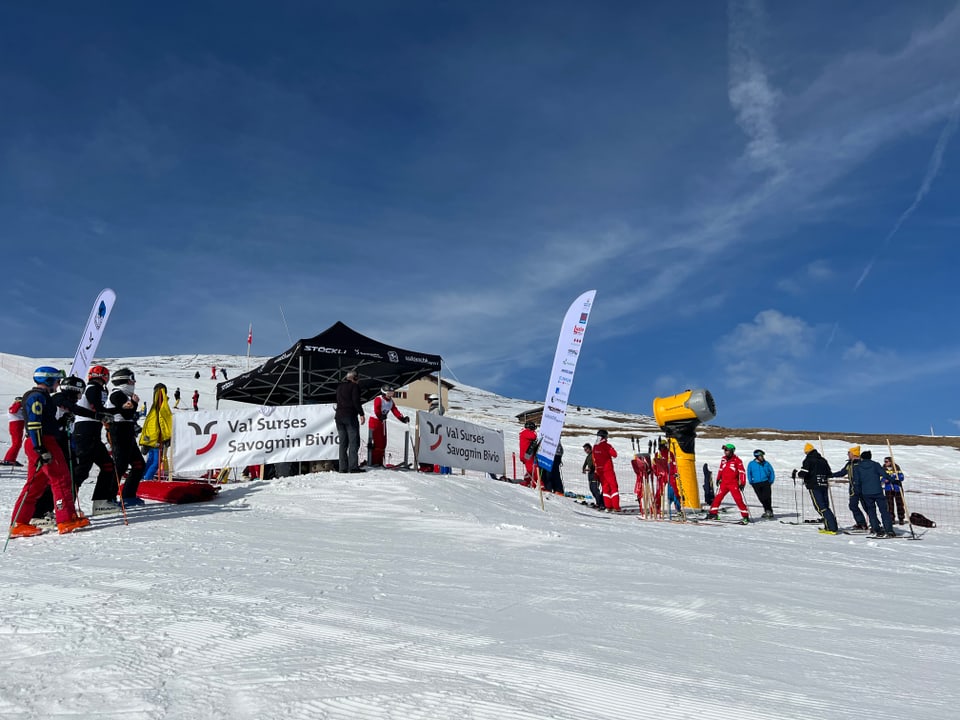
column 65, row 419
column 875, row 490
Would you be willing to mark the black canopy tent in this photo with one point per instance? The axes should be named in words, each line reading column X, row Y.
column 308, row 373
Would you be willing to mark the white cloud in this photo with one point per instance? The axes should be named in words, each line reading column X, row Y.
column 859, row 351
column 766, row 353
column 814, row 273
column 751, row 95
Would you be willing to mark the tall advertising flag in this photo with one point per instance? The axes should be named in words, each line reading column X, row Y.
column 561, row 377
column 92, row 333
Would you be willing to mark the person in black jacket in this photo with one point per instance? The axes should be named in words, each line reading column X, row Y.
column 553, row 480
column 868, row 479
column 122, row 432
column 592, row 481
column 91, row 415
column 815, row 473
column 348, row 418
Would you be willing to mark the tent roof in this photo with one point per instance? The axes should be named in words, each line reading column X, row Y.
column 326, row 358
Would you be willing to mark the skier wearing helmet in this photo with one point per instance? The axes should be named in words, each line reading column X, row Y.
column 731, row 478
column 65, row 400
column 45, row 462
column 383, row 405
column 123, row 434
column 91, row 415
column 603, row 454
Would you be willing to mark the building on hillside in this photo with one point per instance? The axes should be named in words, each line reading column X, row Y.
column 415, row 394
column 536, row 414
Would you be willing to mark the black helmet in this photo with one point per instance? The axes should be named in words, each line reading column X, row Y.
column 530, row 425
column 73, row 384
column 124, row 376
column 602, row 433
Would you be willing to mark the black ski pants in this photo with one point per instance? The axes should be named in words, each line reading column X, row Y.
column 91, row 451
column 764, row 492
column 126, row 455
column 821, row 503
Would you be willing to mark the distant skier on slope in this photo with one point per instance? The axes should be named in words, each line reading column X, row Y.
column 16, row 423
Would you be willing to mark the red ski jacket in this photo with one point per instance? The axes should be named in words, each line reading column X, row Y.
column 732, row 472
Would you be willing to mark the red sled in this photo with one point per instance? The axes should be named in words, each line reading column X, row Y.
column 176, row 492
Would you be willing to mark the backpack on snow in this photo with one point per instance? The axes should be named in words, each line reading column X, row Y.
column 921, row 521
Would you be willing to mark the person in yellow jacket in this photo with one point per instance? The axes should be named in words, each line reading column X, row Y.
column 157, row 431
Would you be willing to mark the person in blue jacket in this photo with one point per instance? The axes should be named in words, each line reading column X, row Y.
column 868, row 477
column 893, row 488
column 760, row 475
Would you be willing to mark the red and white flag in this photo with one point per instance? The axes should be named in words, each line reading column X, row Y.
column 250, row 335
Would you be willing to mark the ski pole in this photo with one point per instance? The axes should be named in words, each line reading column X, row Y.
column 903, row 499
column 796, row 506
column 116, row 473
column 73, row 485
column 536, row 474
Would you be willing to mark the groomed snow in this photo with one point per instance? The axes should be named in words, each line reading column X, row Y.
column 402, row 595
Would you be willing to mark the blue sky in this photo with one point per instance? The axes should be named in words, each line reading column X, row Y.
column 763, row 196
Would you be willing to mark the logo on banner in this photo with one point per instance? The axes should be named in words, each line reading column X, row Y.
column 392, row 356
column 435, row 430
column 583, row 318
column 578, row 330
column 101, row 315
column 205, row 431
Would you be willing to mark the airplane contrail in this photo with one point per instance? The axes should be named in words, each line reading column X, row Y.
column 933, row 169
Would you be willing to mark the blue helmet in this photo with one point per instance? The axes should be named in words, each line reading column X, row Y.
column 49, row 376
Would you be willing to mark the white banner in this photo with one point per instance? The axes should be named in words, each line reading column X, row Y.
column 92, row 333
column 565, row 359
column 455, row 443
column 253, row 436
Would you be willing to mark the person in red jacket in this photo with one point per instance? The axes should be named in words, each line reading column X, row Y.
column 603, row 454
column 528, row 450
column 383, row 405
column 15, row 416
column 731, row 478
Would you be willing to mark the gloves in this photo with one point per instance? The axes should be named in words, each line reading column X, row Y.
column 742, row 486
column 794, row 473
column 405, row 419
column 43, row 457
